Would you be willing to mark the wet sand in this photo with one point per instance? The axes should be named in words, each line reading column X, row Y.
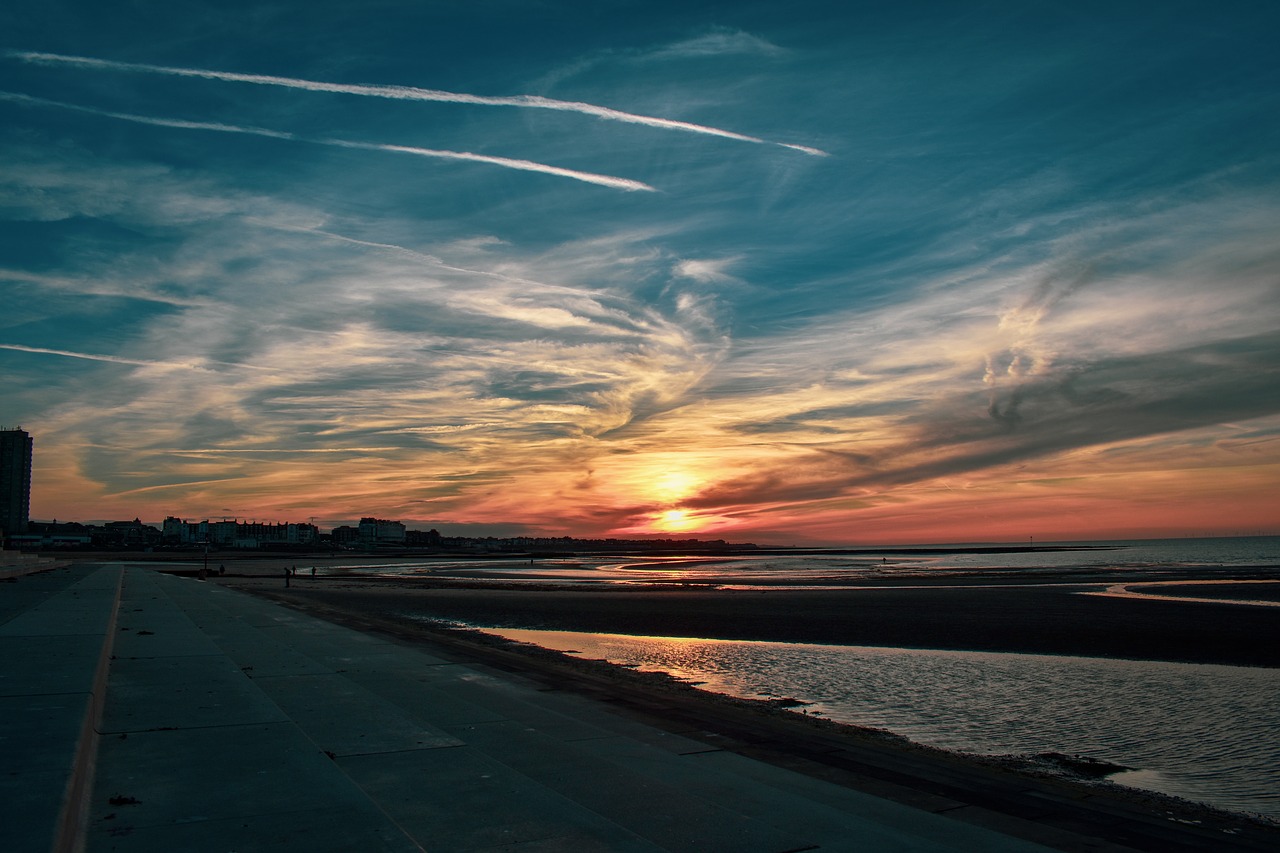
column 1052, row 618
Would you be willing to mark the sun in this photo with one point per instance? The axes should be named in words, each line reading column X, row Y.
column 676, row 520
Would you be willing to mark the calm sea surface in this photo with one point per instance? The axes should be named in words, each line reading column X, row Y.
column 848, row 568
column 1203, row 732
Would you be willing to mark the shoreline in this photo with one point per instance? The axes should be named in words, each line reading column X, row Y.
column 1016, row 788
column 1046, row 618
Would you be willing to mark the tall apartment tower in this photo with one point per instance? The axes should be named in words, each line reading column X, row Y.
column 15, row 480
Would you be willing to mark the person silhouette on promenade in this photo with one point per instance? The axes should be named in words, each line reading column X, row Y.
column 286, row 577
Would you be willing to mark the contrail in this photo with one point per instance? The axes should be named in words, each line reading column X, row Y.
column 108, row 358
column 507, row 162
column 137, row 362
column 159, row 122
column 409, row 93
column 526, row 165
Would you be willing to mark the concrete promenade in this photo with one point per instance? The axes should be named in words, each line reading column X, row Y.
column 146, row 712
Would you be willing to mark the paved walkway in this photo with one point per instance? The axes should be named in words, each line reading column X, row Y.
column 149, row 712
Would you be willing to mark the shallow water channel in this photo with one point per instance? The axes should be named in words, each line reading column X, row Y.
column 1198, row 731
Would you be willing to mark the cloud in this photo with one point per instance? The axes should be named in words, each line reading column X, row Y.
column 509, row 362
column 92, row 287
column 852, row 349
column 705, row 271
column 719, row 42
column 1099, row 348
column 408, row 93
column 506, row 162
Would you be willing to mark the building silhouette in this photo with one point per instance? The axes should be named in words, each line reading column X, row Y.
column 381, row 533
column 15, row 481
column 237, row 534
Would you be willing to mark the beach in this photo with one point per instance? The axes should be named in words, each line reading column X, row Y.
column 1051, row 617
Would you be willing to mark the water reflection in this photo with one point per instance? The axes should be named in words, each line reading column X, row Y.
column 1134, row 561
column 1202, row 732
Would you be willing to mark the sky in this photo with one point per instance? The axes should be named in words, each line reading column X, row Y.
column 803, row 273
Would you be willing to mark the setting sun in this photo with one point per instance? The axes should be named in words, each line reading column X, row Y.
column 676, row 520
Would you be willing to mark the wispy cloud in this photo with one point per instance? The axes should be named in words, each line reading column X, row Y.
column 720, row 41
column 506, row 162
column 407, row 93
column 93, row 287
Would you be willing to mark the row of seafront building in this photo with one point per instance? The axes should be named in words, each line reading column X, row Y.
column 235, row 533
column 176, row 533
column 370, row 533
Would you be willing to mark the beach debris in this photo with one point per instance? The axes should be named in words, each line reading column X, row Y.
column 788, row 702
column 121, row 800
column 1081, row 765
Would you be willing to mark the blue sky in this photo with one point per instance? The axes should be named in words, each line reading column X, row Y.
column 815, row 273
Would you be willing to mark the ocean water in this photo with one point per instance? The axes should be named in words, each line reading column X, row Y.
column 1206, row 733
column 850, row 567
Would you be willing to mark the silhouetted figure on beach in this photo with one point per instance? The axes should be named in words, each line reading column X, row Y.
column 313, row 571
column 286, row 577
column 222, row 570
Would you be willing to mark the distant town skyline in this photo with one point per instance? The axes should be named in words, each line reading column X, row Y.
column 807, row 274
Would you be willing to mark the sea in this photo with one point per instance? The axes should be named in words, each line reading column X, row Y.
column 1207, row 733
column 816, row 568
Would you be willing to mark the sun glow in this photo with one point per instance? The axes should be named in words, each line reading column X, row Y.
column 675, row 486
column 676, row 520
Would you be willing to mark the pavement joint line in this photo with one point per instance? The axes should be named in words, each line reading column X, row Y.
column 592, row 738
column 119, row 732
column 337, row 755
column 73, row 820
